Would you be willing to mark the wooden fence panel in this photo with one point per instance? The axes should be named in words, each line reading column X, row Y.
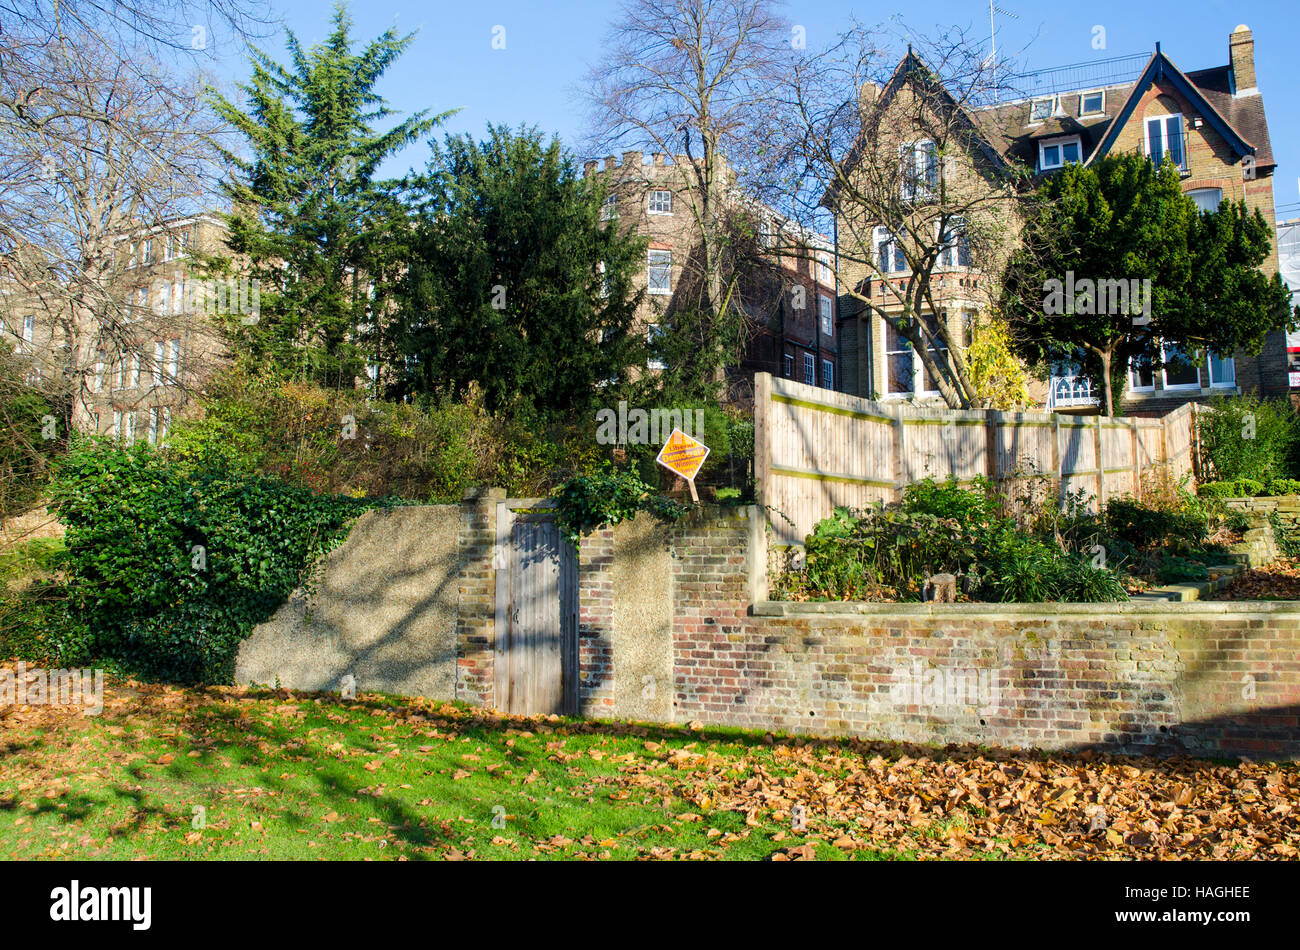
column 816, row 450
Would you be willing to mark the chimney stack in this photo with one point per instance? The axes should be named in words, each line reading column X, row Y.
column 1241, row 55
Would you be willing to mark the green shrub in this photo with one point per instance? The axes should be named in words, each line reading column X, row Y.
column 1283, row 486
column 978, row 504
column 1149, row 529
column 1236, row 488
column 1177, row 570
column 170, row 564
column 942, row 527
column 1246, row 436
column 607, row 497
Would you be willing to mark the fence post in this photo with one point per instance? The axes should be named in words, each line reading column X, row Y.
column 1194, row 443
column 1137, row 467
column 1101, row 467
column 762, row 437
column 1056, row 457
column 991, row 419
column 900, row 458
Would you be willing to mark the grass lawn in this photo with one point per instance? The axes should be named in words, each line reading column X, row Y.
column 229, row 773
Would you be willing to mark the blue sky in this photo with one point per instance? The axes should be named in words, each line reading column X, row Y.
column 550, row 45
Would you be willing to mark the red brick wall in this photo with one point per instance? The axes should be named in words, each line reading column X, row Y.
column 1211, row 678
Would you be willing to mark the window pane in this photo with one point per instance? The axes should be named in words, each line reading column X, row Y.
column 1223, row 371
column 1206, row 199
column 1174, row 138
column 1051, row 156
column 1179, row 369
column 1156, row 135
column 1070, row 151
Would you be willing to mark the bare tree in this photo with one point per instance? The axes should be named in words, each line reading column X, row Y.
column 689, row 78
column 904, row 149
column 95, row 159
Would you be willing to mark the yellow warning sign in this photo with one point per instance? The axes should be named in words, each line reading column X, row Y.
column 683, row 455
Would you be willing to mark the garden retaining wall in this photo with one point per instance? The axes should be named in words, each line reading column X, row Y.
column 674, row 626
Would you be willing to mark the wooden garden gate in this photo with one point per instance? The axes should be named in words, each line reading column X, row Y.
column 536, row 612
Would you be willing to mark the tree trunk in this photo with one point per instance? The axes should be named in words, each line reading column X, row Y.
column 1106, row 357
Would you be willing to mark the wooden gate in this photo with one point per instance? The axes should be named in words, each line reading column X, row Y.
column 536, row 612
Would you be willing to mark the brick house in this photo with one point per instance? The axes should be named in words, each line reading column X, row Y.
column 790, row 299
column 1210, row 122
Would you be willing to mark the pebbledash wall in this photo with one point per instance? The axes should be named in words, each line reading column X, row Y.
column 674, row 626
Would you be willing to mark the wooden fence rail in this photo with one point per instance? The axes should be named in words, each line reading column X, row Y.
column 815, row 450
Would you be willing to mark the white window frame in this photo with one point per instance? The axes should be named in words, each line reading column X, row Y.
column 1163, row 120
column 1201, row 191
column 1164, row 374
column 174, row 359
column 610, row 209
column 824, row 273
column 653, row 331
column 159, row 354
column 153, row 426
column 133, row 376
column 1133, row 386
column 1059, row 144
column 951, row 253
column 1083, row 98
column 825, row 310
column 117, row 424
column 787, row 365
column 916, row 160
column 166, row 423
column 809, row 370
column 657, row 193
column 828, row 374
column 1230, row 362
column 146, row 252
column 1033, row 105
column 659, row 258
column 27, row 333
column 884, row 236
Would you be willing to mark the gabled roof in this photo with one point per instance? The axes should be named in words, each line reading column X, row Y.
column 1160, row 69
column 911, row 68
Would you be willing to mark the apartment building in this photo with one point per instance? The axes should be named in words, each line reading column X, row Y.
column 789, row 296
column 1210, row 122
column 153, row 344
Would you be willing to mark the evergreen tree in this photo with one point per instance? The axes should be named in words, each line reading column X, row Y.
column 322, row 235
column 1097, row 233
column 515, row 284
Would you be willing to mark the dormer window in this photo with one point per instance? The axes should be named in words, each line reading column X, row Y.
column 1057, row 153
column 1092, row 103
column 1042, row 109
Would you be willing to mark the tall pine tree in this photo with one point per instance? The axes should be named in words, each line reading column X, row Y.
column 322, row 235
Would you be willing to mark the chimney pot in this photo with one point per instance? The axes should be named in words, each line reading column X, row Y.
column 610, row 163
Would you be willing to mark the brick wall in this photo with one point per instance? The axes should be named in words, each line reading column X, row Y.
column 476, row 604
column 1205, row 678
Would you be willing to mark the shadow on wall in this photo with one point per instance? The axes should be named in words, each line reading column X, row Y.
column 383, row 611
